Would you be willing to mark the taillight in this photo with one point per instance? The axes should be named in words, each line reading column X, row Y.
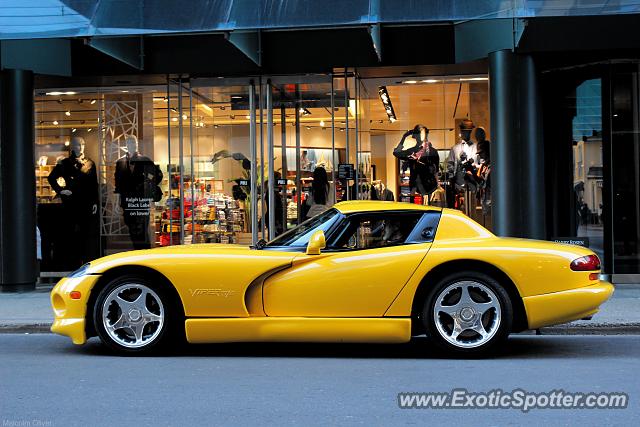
column 586, row 263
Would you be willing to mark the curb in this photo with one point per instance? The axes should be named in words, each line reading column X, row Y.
column 26, row 328
column 601, row 329
column 597, row 329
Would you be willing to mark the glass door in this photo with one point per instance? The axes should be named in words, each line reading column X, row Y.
column 622, row 168
column 216, row 174
column 300, row 149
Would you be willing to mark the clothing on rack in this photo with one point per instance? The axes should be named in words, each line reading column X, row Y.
column 380, row 192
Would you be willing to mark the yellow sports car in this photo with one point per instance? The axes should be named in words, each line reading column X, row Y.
column 369, row 272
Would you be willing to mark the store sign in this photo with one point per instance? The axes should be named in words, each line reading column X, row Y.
column 137, row 206
column 282, row 182
column 243, row 183
column 579, row 241
column 346, row 171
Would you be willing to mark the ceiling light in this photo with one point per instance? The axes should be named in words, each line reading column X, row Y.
column 322, row 123
column 93, row 101
column 386, row 103
column 55, row 123
column 89, row 130
column 247, row 117
column 124, row 91
column 174, row 119
column 236, row 97
column 430, row 81
column 55, row 93
column 474, row 79
column 215, row 126
column 304, row 111
column 66, row 143
column 410, row 82
column 73, row 130
column 184, row 117
column 308, row 127
column 67, row 113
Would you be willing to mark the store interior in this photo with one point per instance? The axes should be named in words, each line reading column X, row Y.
column 199, row 135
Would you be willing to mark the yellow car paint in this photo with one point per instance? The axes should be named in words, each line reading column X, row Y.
column 210, row 279
column 70, row 313
column 300, row 329
column 535, row 267
column 234, row 293
column 565, row 306
column 344, row 284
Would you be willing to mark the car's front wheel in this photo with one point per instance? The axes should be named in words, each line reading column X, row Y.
column 468, row 312
column 132, row 315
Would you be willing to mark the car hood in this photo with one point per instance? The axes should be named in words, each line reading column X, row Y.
column 188, row 253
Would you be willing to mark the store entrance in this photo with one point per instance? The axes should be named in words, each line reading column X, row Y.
column 262, row 142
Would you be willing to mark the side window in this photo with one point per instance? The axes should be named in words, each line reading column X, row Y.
column 425, row 231
column 376, row 230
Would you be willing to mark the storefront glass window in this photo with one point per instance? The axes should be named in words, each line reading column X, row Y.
column 588, row 164
column 164, row 165
column 452, row 114
column 217, row 191
column 625, row 169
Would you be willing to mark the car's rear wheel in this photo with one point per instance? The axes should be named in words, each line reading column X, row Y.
column 468, row 312
column 132, row 315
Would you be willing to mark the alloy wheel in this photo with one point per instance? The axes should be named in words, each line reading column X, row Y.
column 467, row 314
column 133, row 315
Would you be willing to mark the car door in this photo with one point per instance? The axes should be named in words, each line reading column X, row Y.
column 364, row 267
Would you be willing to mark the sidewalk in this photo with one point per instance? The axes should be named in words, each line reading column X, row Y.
column 31, row 312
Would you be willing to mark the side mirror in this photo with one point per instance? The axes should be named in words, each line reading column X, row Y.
column 316, row 243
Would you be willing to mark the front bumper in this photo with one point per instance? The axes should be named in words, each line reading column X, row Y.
column 70, row 314
column 565, row 306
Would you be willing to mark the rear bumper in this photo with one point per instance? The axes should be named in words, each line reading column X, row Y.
column 566, row 306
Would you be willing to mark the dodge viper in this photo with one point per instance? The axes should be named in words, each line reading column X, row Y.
column 362, row 271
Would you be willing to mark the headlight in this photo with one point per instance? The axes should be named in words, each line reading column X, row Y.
column 79, row 272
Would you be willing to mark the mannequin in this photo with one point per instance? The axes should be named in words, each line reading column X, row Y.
column 462, row 163
column 136, row 181
column 484, row 169
column 75, row 180
column 420, row 158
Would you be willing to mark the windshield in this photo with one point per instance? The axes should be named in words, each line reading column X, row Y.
column 299, row 236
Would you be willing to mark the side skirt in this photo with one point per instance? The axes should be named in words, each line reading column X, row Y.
column 299, row 329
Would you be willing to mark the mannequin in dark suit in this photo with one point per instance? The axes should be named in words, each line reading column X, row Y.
column 136, row 180
column 75, row 180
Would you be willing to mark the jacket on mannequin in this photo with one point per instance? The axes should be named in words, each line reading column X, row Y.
column 81, row 179
column 423, row 163
column 137, row 176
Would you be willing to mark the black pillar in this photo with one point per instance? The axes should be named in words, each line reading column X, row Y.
column 533, row 161
column 17, row 182
column 505, row 182
column 516, row 151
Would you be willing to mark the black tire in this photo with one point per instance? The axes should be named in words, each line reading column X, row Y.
column 469, row 342
column 169, row 330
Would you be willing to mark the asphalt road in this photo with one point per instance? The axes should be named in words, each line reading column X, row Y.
column 46, row 381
